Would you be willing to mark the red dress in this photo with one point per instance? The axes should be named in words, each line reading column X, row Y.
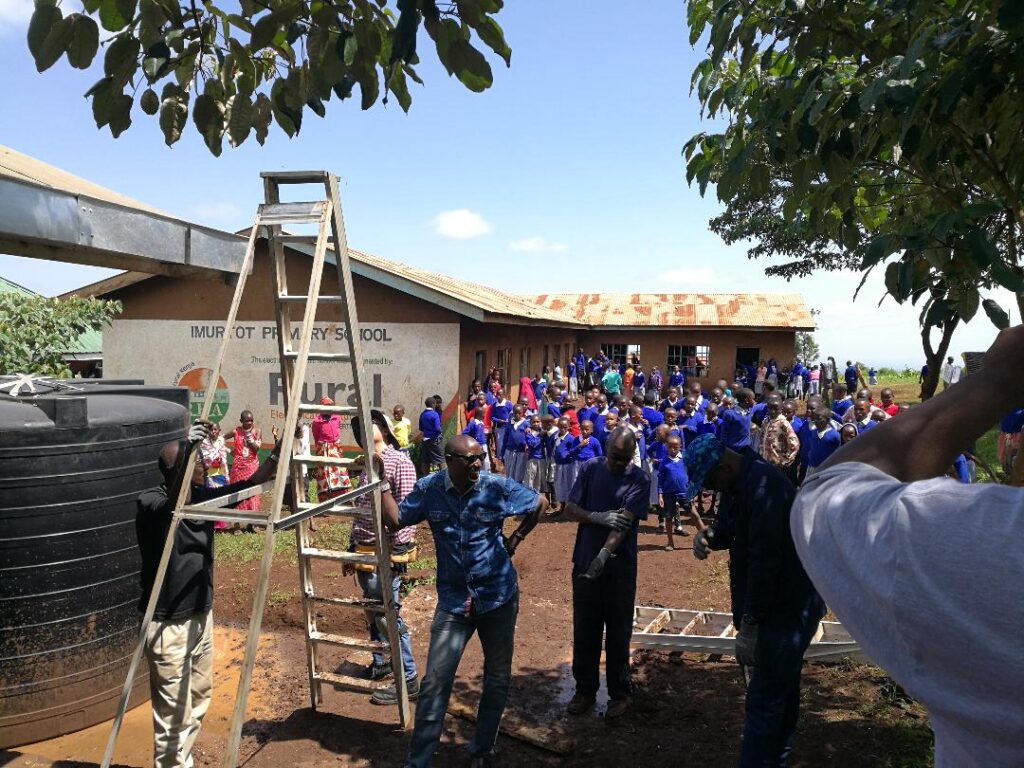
column 244, row 464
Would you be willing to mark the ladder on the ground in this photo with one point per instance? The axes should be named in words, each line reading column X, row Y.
column 271, row 216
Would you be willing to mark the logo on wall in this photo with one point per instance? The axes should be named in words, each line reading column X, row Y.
column 197, row 381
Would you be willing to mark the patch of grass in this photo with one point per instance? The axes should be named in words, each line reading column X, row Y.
column 281, row 597
column 247, row 547
column 429, row 564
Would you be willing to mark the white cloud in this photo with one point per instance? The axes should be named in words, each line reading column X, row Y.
column 14, row 13
column 461, row 224
column 537, row 245
column 688, row 277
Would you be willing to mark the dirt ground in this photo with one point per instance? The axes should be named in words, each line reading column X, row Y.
column 685, row 707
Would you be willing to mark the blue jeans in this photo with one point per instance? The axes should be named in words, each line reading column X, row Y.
column 773, row 695
column 370, row 583
column 449, row 635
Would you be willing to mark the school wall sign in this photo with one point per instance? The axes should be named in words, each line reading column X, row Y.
column 403, row 362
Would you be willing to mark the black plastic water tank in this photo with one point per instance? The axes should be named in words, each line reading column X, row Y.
column 72, row 463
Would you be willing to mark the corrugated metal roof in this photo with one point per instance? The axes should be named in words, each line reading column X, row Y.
column 15, row 165
column 659, row 310
column 490, row 300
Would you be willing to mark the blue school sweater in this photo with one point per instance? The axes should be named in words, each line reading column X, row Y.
column 759, row 413
column 562, row 453
column 475, row 429
column 654, row 417
column 735, row 429
column 672, row 479
column 639, row 380
column 675, row 431
column 862, row 428
column 666, row 403
column 709, row 427
column 554, row 410
column 691, row 427
column 585, row 450
column 534, row 445
column 820, row 448
column 676, row 379
column 587, row 413
column 515, row 438
column 656, row 452
column 501, row 412
column 840, row 407
column 797, row 423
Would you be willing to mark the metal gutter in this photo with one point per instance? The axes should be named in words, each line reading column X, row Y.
column 45, row 223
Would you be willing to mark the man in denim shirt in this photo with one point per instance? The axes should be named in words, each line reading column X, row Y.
column 477, row 588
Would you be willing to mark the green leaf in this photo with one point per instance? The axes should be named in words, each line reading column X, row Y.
column 120, row 114
column 56, row 43
column 1011, row 278
column 241, row 22
column 967, row 304
column 173, row 113
column 492, row 35
column 85, row 41
column 156, row 60
column 369, row 86
column 149, row 102
column 121, row 59
column 44, row 19
column 102, row 97
column 980, row 249
column 239, row 116
column 1000, row 319
column 113, row 16
column 261, row 117
column 397, row 85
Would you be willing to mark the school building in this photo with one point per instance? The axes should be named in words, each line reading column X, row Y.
column 422, row 333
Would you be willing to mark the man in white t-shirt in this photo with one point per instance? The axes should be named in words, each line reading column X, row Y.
column 924, row 571
column 950, row 373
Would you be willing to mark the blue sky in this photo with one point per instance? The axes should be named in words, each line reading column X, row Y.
column 565, row 176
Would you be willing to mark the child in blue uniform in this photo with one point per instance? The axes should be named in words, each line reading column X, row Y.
column 674, row 430
column 672, row 483
column 735, row 428
column 586, row 447
column 563, row 461
column 475, row 429
column 691, row 420
column 513, row 450
column 536, row 462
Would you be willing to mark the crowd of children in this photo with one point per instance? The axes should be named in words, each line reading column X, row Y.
column 794, row 416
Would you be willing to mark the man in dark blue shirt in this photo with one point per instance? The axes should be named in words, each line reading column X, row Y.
column 610, row 494
column 774, row 605
column 477, row 586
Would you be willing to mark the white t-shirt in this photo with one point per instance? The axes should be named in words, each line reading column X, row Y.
column 929, row 578
column 951, row 373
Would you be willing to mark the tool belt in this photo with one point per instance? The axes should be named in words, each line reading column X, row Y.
column 399, row 560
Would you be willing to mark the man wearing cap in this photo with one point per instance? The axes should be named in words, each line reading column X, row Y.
column 774, row 605
column 400, row 474
column 477, row 586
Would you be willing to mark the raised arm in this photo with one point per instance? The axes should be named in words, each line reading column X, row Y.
column 923, row 442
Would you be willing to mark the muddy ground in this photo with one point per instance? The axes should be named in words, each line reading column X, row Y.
column 688, row 710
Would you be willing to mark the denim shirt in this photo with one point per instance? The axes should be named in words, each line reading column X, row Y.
column 473, row 568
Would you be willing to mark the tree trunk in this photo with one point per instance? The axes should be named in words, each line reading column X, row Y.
column 935, row 357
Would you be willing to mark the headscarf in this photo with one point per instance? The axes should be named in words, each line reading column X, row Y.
column 526, row 390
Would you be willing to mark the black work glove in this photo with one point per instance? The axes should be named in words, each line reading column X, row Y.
column 615, row 519
column 746, row 642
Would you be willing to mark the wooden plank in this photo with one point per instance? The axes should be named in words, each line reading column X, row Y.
column 657, row 624
column 546, row 737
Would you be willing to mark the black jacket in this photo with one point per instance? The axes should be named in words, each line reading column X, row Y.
column 765, row 575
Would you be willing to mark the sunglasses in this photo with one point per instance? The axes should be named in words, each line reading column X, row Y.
column 468, row 458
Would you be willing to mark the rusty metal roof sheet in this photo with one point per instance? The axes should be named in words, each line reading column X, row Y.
column 660, row 310
column 489, row 300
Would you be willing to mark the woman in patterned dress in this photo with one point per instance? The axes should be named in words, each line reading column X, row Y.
column 331, row 479
column 247, row 441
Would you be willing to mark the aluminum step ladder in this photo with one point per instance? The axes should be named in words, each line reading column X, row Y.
column 271, row 216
